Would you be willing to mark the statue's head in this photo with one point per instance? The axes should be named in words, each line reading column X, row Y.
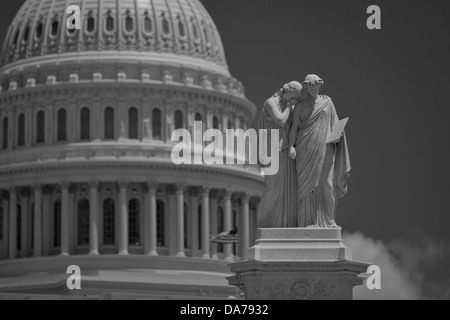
column 292, row 90
column 312, row 84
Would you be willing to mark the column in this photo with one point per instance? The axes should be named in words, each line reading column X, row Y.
column 214, row 201
column 180, row 221
column 194, row 221
column 228, row 224
column 25, row 200
column 123, row 220
column 205, row 224
column 151, row 221
column 37, row 250
column 172, row 220
column 244, row 227
column 93, row 219
column 6, row 218
column 256, row 220
column 12, row 223
column 65, row 223
column 46, row 212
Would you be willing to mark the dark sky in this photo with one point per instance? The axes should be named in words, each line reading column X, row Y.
column 392, row 83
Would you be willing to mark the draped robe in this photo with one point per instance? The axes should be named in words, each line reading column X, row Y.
column 278, row 203
column 322, row 168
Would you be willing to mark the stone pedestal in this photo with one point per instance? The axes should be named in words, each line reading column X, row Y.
column 298, row 264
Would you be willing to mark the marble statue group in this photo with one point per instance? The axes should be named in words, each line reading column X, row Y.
column 313, row 169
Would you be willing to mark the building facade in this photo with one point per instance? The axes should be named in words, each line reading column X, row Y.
column 86, row 176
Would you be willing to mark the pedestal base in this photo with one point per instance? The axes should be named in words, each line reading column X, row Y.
column 298, row 264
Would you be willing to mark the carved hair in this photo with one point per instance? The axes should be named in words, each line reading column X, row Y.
column 293, row 86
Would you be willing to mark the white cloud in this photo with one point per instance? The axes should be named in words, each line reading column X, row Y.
column 404, row 264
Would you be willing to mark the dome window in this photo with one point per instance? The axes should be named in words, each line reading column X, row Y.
column 133, row 124
column 129, row 22
column 5, row 133
column 165, row 24
column 21, row 130
column 85, row 124
column 109, row 225
column 157, row 124
column 55, row 26
column 181, row 28
column 178, row 120
column 215, row 123
column 40, row 127
column 90, row 24
column 109, row 124
column 39, row 30
column 109, row 22
column 148, row 26
column 62, row 125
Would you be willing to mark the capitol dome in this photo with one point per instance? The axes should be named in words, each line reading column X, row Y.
column 86, row 176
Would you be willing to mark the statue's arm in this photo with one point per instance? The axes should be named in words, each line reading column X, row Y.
column 280, row 117
column 294, row 127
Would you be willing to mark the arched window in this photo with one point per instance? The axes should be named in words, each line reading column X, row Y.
column 83, row 222
column 90, row 24
column 40, row 127
column 1, row 223
column 198, row 117
column 21, row 130
column 166, row 27
column 129, row 23
column 5, row 133
column 62, row 125
column 178, row 119
column 148, row 26
column 215, row 123
column 134, row 210
column 133, row 124
column 57, row 224
column 85, row 124
column 160, row 215
column 39, row 30
column 55, row 26
column 181, row 28
column 157, row 124
column 109, row 123
column 109, row 23
column 109, row 222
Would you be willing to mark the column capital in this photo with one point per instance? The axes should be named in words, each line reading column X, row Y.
column 64, row 185
column 24, row 192
column 180, row 188
column 245, row 198
column 205, row 191
column 12, row 190
column 123, row 185
column 93, row 184
column 152, row 187
column 37, row 188
column 228, row 193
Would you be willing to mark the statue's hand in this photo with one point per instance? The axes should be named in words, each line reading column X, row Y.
column 292, row 153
